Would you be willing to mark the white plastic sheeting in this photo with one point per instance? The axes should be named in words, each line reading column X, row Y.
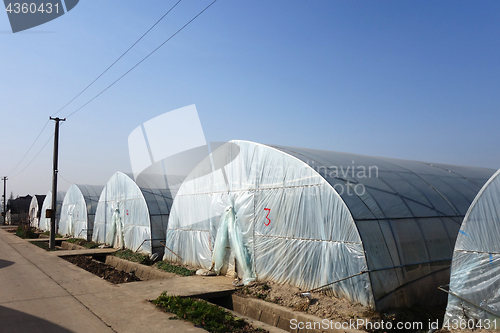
column 475, row 270
column 47, row 204
column 78, row 210
column 310, row 217
column 131, row 217
column 35, row 210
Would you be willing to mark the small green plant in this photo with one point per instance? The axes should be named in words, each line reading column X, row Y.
column 265, row 287
column 135, row 257
column 90, row 245
column 168, row 267
column 83, row 242
column 201, row 313
column 47, row 233
column 25, row 231
column 261, row 295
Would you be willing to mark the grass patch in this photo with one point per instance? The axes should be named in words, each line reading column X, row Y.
column 168, row 267
column 25, row 231
column 134, row 257
column 144, row 260
column 210, row 317
column 83, row 242
column 47, row 233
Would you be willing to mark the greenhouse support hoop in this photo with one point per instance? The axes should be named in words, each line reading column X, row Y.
column 147, row 240
column 376, row 270
column 463, row 299
column 171, row 251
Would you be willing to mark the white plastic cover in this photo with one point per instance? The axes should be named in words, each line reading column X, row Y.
column 44, row 223
column 131, row 217
column 35, row 210
column 475, row 270
column 286, row 212
column 311, row 217
column 78, row 211
column 408, row 214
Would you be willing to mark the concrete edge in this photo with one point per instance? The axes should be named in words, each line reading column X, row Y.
column 257, row 323
column 70, row 246
column 34, row 240
column 281, row 317
column 141, row 271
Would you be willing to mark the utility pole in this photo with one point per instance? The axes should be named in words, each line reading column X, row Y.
column 4, row 200
column 52, row 242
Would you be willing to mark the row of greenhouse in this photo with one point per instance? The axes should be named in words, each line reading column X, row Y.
column 379, row 231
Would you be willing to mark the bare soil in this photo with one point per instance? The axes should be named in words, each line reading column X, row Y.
column 45, row 246
column 341, row 310
column 104, row 271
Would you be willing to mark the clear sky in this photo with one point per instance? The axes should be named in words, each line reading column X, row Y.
column 406, row 79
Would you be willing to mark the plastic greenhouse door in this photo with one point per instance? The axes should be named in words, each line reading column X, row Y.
column 229, row 240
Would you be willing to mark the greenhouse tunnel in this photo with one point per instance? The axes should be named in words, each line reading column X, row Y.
column 385, row 227
column 475, row 271
column 36, row 210
column 47, row 204
column 132, row 217
column 78, row 211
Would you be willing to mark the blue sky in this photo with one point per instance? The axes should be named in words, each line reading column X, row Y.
column 406, row 79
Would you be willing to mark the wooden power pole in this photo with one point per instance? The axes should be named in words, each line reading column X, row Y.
column 52, row 242
column 4, row 200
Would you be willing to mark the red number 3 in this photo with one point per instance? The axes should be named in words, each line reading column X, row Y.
column 267, row 216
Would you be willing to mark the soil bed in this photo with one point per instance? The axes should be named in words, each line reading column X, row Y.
column 342, row 310
column 45, row 246
column 104, row 271
column 183, row 270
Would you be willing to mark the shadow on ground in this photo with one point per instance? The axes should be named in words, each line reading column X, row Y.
column 12, row 321
column 5, row 263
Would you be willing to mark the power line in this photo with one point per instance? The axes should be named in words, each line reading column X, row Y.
column 137, row 41
column 17, row 174
column 88, row 86
column 100, row 93
column 67, row 181
column 131, row 69
column 29, row 148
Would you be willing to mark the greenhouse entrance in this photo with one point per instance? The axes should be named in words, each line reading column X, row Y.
column 230, row 248
column 116, row 230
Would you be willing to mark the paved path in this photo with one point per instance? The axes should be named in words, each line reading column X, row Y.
column 40, row 292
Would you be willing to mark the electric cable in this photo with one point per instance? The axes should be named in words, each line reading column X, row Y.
column 131, row 69
column 114, row 82
column 88, row 86
column 44, row 126
column 123, row 54
column 17, row 174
